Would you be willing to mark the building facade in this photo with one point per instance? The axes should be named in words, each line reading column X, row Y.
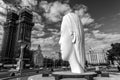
column 96, row 58
column 25, row 25
column 17, row 29
column 9, row 37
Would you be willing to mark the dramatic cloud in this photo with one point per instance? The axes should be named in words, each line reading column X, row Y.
column 45, row 5
column 96, row 25
column 100, row 40
column 2, row 4
column 3, row 10
column 2, row 19
column 29, row 3
column 55, row 11
column 87, row 19
column 106, row 37
column 86, row 29
column 1, row 35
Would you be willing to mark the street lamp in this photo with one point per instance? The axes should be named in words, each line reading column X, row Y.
column 20, row 60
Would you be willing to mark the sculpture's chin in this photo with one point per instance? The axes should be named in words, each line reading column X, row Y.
column 65, row 58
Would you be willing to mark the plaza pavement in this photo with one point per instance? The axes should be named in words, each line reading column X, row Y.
column 113, row 76
column 39, row 77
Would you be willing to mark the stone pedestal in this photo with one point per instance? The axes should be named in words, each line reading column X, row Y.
column 86, row 75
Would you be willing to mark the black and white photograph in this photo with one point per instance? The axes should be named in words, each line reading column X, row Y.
column 59, row 39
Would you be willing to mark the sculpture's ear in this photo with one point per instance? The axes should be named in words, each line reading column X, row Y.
column 73, row 37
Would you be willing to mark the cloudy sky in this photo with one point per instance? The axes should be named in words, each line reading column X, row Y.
column 102, row 22
column 106, row 14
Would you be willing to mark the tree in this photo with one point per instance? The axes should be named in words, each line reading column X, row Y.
column 114, row 53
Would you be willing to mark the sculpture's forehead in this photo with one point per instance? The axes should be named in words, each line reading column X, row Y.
column 70, row 23
column 64, row 30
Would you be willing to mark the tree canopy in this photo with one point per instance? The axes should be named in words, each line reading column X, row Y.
column 114, row 52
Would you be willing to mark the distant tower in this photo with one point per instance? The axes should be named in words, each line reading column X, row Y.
column 17, row 29
column 9, row 37
column 25, row 26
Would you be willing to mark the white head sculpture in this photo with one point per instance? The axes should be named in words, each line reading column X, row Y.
column 72, row 41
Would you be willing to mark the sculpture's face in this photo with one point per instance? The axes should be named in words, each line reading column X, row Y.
column 65, row 43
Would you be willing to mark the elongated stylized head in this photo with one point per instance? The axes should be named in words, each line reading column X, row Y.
column 72, row 40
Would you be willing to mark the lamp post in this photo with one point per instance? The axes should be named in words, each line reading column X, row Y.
column 20, row 61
